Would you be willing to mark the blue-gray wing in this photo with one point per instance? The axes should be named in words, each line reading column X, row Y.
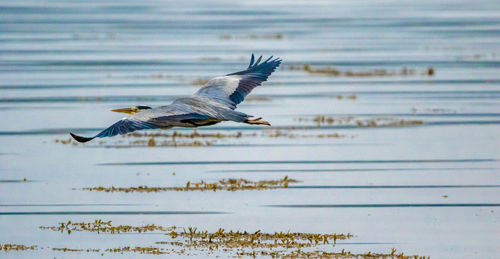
column 231, row 89
column 159, row 117
column 123, row 126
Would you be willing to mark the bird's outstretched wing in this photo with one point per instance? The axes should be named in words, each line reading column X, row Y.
column 159, row 117
column 217, row 99
column 123, row 126
column 231, row 89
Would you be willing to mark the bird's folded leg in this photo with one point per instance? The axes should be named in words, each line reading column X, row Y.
column 258, row 121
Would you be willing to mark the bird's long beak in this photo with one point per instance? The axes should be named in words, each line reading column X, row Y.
column 126, row 110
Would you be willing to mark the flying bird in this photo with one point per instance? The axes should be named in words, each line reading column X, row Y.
column 216, row 101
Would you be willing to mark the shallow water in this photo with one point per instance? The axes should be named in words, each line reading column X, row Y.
column 430, row 189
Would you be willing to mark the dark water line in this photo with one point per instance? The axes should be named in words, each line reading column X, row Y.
column 48, row 131
column 347, row 170
column 301, row 162
column 245, row 128
column 17, row 181
column 437, row 114
column 90, row 86
column 398, row 205
column 486, row 94
column 17, row 213
column 8, row 65
column 388, row 186
column 365, row 243
column 276, row 83
column 68, row 205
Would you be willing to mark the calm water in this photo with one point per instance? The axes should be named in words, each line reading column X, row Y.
column 430, row 189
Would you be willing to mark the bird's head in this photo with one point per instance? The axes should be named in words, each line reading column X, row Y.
column 133, row 110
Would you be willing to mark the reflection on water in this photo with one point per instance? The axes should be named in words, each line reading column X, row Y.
column 417, row 174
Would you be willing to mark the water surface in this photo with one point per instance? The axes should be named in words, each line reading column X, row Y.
column 430, row 188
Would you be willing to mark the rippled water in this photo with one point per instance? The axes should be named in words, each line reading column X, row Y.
column 430, row 189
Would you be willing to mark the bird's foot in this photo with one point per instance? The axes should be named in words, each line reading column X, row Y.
column 258, row 121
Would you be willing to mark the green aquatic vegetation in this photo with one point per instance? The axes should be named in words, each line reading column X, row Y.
column 222, row 185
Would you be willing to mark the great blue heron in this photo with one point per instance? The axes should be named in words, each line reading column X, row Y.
column 215, row 102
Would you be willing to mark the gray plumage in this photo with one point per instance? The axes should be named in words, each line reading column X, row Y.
column 216, row 101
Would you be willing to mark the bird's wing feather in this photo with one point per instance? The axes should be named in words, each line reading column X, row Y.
column 207, row 107
column 125, row 126
column 122, row 126
column 160, row 117
column 231, row 89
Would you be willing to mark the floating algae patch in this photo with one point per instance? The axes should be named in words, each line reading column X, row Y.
column 149, row 142
column 68, row 141
column 329, row 71
column 15, row 247
column 152, row 142
column 138, row 249
column 193, row 139
column 190, row 249
column 192, row 135
column 196, row 242
column 360, row 122
column 99, row 226
column 288, row 134
column 273, row 133
column 346, row 97
column 222, row 185
column 65, row 249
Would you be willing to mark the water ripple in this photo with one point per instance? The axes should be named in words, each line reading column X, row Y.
column 397, row 205
column 232, row 162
